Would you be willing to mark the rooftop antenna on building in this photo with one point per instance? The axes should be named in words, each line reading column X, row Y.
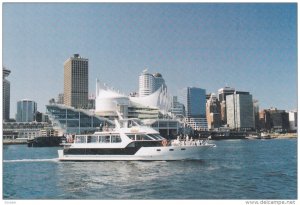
column 145, row 70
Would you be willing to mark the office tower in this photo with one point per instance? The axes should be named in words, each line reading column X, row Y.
column 222, row 93
column 92, row 102
column 158, row 81
column 256, row 114
column 213, row 112
column 177, row 108
column 264, row 120
column 279, row 120
column 149, row 83
column 76, row 82
column 6, row 95
column 194, row 101
column 239, row 109
column 145, row 83
column 275, row 120
column 293, row 116
column 60, row 98
column 26, row 110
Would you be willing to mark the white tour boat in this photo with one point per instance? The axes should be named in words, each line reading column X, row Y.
column 131, row 141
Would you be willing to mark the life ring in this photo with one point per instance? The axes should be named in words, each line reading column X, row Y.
column 164, row 143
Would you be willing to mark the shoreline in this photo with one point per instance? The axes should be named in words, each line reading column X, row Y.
column 284, row 136
column 273, row 136
column 13, row 142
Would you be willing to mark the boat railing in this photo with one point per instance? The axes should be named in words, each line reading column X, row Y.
column 191, row 142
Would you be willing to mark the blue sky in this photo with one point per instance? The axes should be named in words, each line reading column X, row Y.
column 251, row 47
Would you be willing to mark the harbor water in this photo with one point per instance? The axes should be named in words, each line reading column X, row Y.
column 235, row 169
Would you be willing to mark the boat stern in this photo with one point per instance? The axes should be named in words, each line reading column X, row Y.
column 60, row 154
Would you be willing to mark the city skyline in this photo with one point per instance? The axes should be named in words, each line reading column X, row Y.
column 250, row 47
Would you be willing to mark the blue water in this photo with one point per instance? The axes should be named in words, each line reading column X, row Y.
column 235, row 169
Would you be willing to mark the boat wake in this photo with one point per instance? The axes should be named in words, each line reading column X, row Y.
column 31, row 160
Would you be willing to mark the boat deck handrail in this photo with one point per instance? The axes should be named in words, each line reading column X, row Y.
column 192, row 142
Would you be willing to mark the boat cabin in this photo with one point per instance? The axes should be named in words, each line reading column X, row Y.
column 115, row 138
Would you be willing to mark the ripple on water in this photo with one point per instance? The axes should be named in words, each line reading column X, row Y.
column 233, row 170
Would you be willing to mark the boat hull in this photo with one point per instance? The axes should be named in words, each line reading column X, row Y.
column 167, row 153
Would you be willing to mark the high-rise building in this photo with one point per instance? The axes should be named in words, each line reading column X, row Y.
column 177, row 108
column 213, row 112
column 26, row 110
column 76, row 82
column 264, row 120
column 158, row 81
column 145, row 83
column 6, row 95
column 275, row 120
column 194, row 101
column 279, row 120
column 239, row 109
column 149, row 83
column 60, row 98
column 293, row 117
column 222, row 93
column 256, row 114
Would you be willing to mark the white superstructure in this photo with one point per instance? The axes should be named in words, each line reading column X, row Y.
column 131, row 141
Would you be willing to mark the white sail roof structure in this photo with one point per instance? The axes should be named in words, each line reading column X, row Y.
column 108, row 100
column 159, row 99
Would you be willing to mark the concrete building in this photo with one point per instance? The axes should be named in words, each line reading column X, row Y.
column 222, row 93
column 26, row 110
column 149, row 83
column 265, row 123
column 5, row 95
column 76, row 82
column 239, row 110
column 91, row 102
column 293, row 117
column 23, row 130
column 256, row 114
column 60, row 98
column 279, row 120
column 213, row 112
column 177, row 108
column 275, row 120
column 194, row 101
column 158, row 81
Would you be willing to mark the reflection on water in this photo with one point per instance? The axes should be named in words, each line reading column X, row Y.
column 234, row 170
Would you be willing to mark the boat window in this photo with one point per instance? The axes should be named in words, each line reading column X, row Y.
column 115, row 139
column 143, row 137
column 156, row 136
column 104, row 139
column 92, row 139
column 81, row 139
column 131, row 136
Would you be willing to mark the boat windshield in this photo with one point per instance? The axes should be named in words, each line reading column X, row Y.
column 128, row 123
column 140, row 137
column 113, row 138
column 155, row 136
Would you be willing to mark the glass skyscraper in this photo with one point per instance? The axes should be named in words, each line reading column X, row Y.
column 26, row 110
column 194, row 101
column 6, row 95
